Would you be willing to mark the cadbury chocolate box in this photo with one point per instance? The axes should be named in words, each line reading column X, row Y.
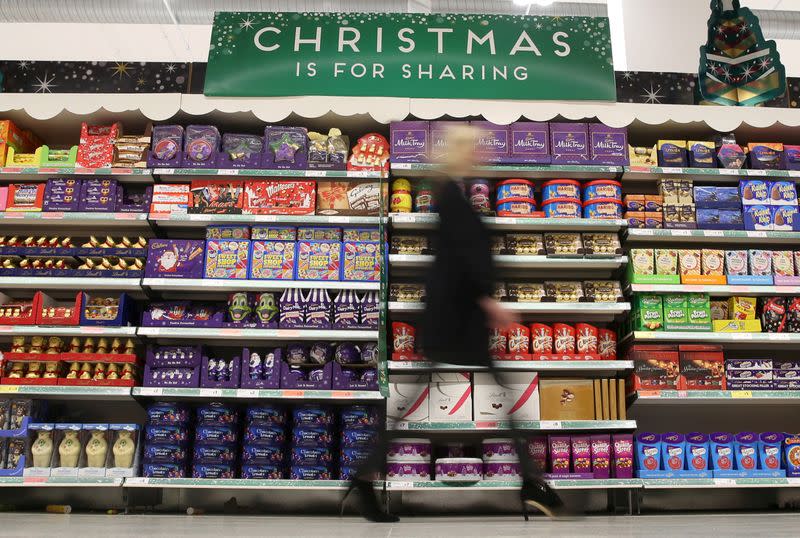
column 174, row 258
column 62, row 194
column 569, row 143
column 609, row 145
column 410, row 141
column 98, row 195
column 529, row 142
column 492, row 142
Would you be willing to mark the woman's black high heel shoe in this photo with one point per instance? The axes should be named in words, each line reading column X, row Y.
column 537, row 494
column 368, row 503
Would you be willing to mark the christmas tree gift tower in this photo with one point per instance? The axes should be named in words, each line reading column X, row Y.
column 737, row 66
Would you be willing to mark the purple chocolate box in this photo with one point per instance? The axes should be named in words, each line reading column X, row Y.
column 98, row 195
column 410, row 141
column 175, row 258
column 261, row 369
column 492, row 144
column 62, row 194
column 609, row 145
column 569, row 143
column 438, row 139
column 530, row 143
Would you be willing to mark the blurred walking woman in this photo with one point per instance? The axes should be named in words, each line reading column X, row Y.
column 460, row 308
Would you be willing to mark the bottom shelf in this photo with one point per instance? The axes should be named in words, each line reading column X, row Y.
column 491, row 485
column 58, row 482
column 235, row 483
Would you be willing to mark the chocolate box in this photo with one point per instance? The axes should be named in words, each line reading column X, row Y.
column 318, row 260
column 601, row 456
column 410, row 141
column 175, row 258
column 513, row 396
column 648, row 452
column 354, row 198
column 792, row 157
column 569, row 143
column 451, row 396
column 25, row 197
column 672, row 153
column 272, row 260
column 261, row 369
column 217, row 196
column 285, row 148
column 720, row 219
column 279, row 197
column 133, row 198
column 492, row 142
column 530, row 143
column 622, row 457
column 312, row 377
column 782, row 193
column 609, row 145
column 785, row 218
column 766, row 156
column 438, row 140
column 702, row 154
column 98, row 195
column 62, row 194
column 362, row 261
column 227, row 258
column 754, row 192
column 757, row 217
column 706, row 197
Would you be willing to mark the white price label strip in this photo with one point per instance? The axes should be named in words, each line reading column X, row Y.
column 756, row 172
column 672, row 170
column 714, row 233
column 401, row 485
column 550, row 424
column 725, row 481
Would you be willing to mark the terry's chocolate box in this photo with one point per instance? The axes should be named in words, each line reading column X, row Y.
column 566, row 399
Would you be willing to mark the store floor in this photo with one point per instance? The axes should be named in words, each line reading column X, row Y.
column 729, row 525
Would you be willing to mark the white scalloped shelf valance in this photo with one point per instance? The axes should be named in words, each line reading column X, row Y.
column 161, row 107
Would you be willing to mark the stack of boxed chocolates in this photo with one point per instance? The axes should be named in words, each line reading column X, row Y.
column 517, row 143
column 671, row 312
column 769, row 205
column 718, row 455
column 762, row 374
column 670, row 367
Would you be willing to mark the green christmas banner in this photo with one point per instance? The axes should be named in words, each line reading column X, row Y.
column 410, row 55
column 737, row 66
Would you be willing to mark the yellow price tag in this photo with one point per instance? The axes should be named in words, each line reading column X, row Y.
column 741, row 394
column 6, row 389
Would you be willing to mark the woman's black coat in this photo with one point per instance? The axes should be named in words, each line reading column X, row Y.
column 455, row 328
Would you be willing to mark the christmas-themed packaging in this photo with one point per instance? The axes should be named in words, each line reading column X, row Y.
column 201, row 146
column 98, row 195
column 279, row 197
column 217, row 196
column 62, row 194
column 96, row 148
column 227, row 258
column 328, row 152
column 355, row 198
column 25, row 197
column 285, row 148
column 175, row 258
column 240, row 151
column 166, row 149
column 370, row 153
